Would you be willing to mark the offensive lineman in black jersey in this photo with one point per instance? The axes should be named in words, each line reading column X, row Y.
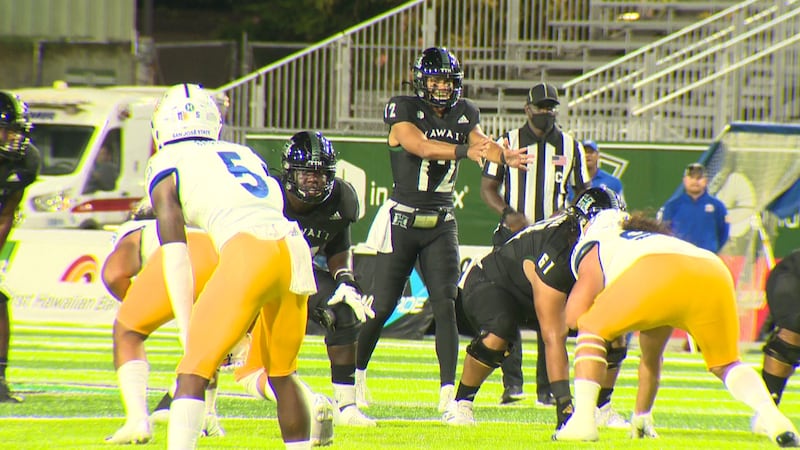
column 782, row 349
column 324, row 207
column 429, row 133
column 536, row 260
column 19, row 167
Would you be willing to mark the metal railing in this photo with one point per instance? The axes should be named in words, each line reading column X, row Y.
column 738, row 64
column 340, row 85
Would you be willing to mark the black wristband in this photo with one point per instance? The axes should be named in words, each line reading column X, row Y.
column 508, row 210
column 345, row 276
column 461, row 151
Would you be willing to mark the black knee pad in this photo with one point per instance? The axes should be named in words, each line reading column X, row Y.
column 615, row 356
column 485, row 355
column 338, row 316
column 343, row 336
column 782, row 351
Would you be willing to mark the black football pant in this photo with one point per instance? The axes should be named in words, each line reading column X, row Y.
column 512, row 365
column 437, row 251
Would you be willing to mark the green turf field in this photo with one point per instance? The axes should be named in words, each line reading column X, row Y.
column 71, row 400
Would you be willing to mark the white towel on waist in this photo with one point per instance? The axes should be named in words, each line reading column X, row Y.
column 303, row 282
column 380, row 233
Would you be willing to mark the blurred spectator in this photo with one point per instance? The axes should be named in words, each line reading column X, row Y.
column 599, row 177
column 695, row 215
column 104, row 173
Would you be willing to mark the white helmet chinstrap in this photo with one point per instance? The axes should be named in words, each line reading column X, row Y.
column 185, row 111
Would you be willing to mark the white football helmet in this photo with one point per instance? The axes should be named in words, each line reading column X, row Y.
column 185, row 111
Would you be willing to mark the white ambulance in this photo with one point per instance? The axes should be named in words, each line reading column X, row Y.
column 94, row 144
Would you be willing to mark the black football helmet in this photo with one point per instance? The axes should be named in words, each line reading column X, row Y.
column 437, row 62
column 307, row 152
column 15, row 126
column 593, row 200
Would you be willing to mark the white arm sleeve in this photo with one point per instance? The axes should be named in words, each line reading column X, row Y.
column 179, row 281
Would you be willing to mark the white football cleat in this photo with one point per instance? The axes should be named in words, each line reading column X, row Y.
column 573, row 430
column 782, row 431
column 132, row 433
column 211, row 426
column 322, row 421
column 606, row 416
column 459, row 413
column 351, row 416
column 643, row 426
column 757, row 425
column 362, row 393
column 447, row 394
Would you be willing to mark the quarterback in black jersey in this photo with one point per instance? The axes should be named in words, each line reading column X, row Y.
column 536, row 260
column 19, row 167
column 429, row 133
column 325, row 206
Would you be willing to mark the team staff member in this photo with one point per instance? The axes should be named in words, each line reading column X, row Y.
column 782, row 349
column 531, row 196
column 497, row 299
column 598, row 176
column 429, row 133
column 264, row 268
column 695, row 215
column 324, row 207
column 631, row 276
column 19, row 167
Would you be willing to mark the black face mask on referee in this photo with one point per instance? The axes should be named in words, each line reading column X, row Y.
column 541, row 117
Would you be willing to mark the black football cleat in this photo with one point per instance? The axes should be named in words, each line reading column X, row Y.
column 6, row 396
column 787, row 439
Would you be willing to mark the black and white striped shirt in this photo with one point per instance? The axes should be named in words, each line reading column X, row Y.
column 542, row 190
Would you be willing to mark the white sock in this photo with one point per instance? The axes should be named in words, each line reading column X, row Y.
column 361, row 375
column 211, row 401
column 298, row 445
column 586, row 392
column 132, row 379
column 748, row 387
column 344, row 394
column 185, row 423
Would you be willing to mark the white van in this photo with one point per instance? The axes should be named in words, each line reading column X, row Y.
column 94, row 144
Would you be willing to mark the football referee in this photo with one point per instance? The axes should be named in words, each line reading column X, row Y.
column 521, row 198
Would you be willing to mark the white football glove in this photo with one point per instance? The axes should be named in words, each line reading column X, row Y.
column 361, row 304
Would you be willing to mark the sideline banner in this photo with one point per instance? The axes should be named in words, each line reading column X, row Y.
column 55, row 276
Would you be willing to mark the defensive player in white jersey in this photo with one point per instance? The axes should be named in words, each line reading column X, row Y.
column 145, row 308
column 632, row 276
column 133, row 274
column 264, row 262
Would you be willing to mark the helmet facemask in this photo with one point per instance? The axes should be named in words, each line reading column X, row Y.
column 591, row 201
column 309, row 163
column 437, row 77
column 15, row 127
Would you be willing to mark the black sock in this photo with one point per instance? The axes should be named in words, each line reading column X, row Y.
column 775, row 385
column 604, row 397
column 3, row 366
column 465, row 392
column 343, row 374
column 164, row 403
